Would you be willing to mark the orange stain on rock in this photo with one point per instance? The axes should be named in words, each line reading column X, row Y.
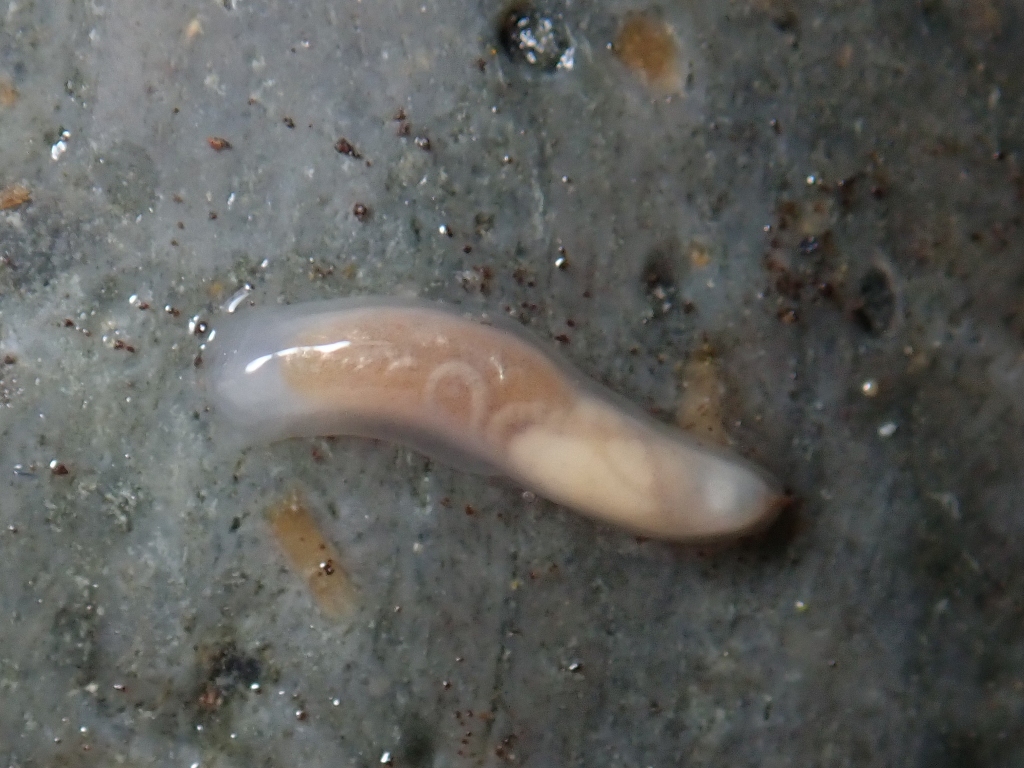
column 13, row 196
column 700, row 406
column 311, row 555
column 648, row 47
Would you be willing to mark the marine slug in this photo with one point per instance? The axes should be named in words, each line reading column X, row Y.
column 480, row 396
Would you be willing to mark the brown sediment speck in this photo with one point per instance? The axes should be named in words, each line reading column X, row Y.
column 361, row 211
column 14, row 195
column 404, row 126
column 648, row 47
column 345, row 147
column 218, row 144
column 311, row 555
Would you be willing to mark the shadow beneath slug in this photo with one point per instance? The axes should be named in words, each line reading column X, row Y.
column 770, row 542
column 775, row 539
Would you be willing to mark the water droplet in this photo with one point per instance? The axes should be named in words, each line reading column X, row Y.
column 239, row 296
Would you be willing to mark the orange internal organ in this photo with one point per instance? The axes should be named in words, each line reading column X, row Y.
column 432, row 368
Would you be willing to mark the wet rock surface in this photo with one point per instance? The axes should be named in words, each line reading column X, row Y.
column 825, row 209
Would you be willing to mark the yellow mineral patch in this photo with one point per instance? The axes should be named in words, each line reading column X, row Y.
column 648, row 47
column 8, row 93
column 14, row 195
column 311, row 555
column 700, row 257
column 700, row 406
column 193, row 29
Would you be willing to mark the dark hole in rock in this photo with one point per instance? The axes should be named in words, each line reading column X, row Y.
column 416, row 747
column 877, row 305
column 227, row 669
column 534, row 38
column 659, row 277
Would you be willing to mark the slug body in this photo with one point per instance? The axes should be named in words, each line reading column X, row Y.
column 481, row 396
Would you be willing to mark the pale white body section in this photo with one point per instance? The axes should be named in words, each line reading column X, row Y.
column 482, row 397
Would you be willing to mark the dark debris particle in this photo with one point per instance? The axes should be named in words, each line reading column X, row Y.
column 783, row 14
column 877, row 305
column 360, row 211
column 11, row 359
column 344, row 147
column 788, row 315
column 218, row 144
column 422, row 142
column 288, row 122
column 524, row 276
column 532, row 38
column 809, row 246
column 846, row 188
column 225, row 671
column 119, row 344
column 659, row 277
column 59, row 469
column 659, row 271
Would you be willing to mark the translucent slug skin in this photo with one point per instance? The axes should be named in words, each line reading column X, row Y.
column 479, row 396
